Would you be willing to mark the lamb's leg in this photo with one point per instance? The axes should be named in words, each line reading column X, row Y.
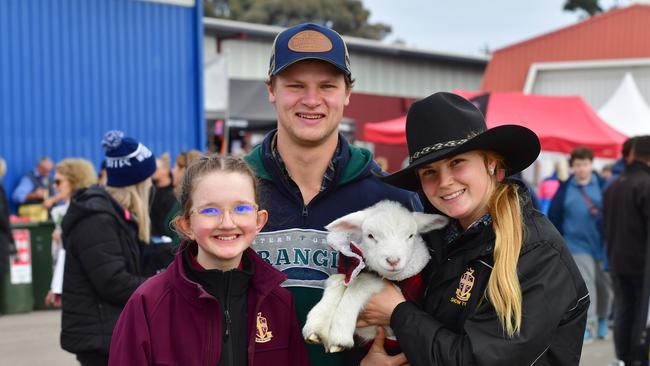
column 341, row 334
column 316, row 329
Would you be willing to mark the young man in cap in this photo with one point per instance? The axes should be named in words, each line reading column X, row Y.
column 309, row 174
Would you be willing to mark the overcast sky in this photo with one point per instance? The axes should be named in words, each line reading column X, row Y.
column 468, row 26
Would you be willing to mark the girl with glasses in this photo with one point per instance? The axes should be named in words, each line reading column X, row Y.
column 222, row 303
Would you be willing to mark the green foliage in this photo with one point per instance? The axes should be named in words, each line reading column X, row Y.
column 347, row 17
column 590, row 7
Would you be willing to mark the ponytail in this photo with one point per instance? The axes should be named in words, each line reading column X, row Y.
column 504, row 290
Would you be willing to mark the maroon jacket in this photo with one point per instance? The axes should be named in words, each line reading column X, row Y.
column 171, row 320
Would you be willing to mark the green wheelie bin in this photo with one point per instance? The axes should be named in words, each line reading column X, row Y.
column 41, row 243
column 16, row 289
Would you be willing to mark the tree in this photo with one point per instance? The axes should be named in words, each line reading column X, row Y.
column 347, row 17
column 590, row 7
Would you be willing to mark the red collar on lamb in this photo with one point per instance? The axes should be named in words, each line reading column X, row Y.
column 351, row 263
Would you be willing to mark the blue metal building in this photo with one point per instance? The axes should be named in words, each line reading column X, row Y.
column 72, row 69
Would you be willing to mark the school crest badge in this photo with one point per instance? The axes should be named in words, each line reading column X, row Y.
column 263, row 334
column 464, row 290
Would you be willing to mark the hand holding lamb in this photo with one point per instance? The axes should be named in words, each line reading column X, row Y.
column 379, row 242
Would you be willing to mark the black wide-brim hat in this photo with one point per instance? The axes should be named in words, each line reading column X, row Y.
column 443, row 125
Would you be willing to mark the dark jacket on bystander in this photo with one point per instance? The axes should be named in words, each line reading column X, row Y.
column 102, row 269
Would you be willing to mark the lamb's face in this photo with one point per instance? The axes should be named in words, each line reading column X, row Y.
column 388, row 242
column 388, row 235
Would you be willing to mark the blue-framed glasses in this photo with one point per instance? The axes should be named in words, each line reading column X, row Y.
column 241, row 211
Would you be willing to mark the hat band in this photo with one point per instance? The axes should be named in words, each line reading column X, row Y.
column 436, row 147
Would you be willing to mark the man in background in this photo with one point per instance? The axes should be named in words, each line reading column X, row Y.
column 576, row 211
column 627, row 225
column 35, row 186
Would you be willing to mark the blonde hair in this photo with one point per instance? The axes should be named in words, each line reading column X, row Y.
column 165, row 161
column 135, row 198
column 79, row 172
column 504, row 289
column 562, row 169
column 3, row 167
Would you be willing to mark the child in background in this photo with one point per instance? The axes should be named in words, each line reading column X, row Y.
column 548, row 187
column 218, row 302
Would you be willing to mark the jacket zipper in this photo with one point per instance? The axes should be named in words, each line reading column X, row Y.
column 209, row 347
column 305, row 213
column 228, row 321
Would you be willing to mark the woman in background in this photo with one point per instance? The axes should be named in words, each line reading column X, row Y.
column 103, row 231
column 70, row 175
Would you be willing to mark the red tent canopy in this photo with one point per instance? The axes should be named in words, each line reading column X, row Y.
column 467, row 94
column 562, row 123
column 387, row 132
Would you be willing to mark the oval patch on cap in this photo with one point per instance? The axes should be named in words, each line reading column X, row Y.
column 310, row 41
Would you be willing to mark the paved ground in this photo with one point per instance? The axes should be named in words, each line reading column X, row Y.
column 32, row 339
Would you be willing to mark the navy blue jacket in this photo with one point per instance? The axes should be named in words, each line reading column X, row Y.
column 556, row 211
column 293, row 240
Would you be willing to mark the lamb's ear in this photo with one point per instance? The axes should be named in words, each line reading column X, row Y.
column 428, row 222
column 348, row 223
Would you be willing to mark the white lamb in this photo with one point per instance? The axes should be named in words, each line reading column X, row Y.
column 385, row 239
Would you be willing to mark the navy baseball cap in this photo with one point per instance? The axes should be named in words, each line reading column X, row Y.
column 309, row 41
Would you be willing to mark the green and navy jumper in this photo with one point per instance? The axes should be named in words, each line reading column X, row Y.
column 293, row 240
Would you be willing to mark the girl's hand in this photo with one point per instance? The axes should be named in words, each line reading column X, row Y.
column 379, row 308
column 378, row 356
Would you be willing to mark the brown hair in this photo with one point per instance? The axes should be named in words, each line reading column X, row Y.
column 580, row 153
column 79, row 172
column 628, row 147
column 186, row 158
column 642, row 148
column 203, row 166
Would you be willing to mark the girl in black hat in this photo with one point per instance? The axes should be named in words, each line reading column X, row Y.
column 501, row 288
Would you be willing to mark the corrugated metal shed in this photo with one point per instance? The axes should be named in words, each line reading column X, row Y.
column 378, row 68
column 71, row 70
column 594, row 81
column 616, row 34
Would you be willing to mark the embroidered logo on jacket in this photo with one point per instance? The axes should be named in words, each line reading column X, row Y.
column 464, row 290
column 263, row 334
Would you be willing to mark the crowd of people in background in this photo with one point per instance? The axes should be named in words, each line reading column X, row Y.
column 191, row 225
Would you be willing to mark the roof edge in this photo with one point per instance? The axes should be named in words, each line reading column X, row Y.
column 582, row 23
column 230, row 27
